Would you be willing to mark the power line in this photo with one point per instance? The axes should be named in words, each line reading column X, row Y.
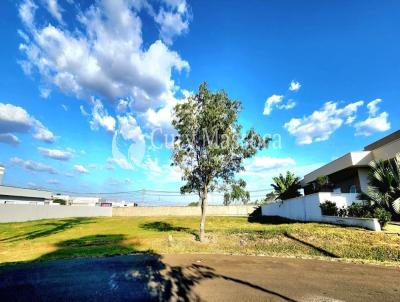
column 152, row 192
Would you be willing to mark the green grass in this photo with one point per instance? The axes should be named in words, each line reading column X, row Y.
column 77, row 237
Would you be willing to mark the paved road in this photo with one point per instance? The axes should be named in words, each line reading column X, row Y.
column 197, row 278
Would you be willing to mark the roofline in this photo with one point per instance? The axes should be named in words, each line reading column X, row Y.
column 383, row 141
column 346, row 161
column 34, row 189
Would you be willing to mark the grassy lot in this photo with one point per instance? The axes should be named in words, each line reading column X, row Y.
column 75, row 237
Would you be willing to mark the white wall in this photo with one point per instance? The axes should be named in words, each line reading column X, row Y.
column 1, row 175
column 306, row 208
column 363, row 177
column 25, row 212
column 21, row 212
column 239, row 210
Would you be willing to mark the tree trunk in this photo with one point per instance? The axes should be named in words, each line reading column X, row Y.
column 204, row 201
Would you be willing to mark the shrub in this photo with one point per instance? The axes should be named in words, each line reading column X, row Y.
column 62, row 202
column 329, row 208
column 362, row 210
column 383, row 216
column 342, row 212
column 359, row 210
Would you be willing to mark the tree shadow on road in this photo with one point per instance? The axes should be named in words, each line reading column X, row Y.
column 179, row 283
column 49, row 228
column 138, row 277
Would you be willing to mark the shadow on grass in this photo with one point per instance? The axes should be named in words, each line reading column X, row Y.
column 161, row 226
column 320, row 250
column 139, row 277
column 257, row 217
column 90, row 246
column 49, row 228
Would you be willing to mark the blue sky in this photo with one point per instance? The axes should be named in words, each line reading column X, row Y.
column 84, row 85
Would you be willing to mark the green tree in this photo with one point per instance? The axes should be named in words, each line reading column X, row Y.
column 384, row 184
column 209, row 147
column 287, row 186
column 237, row 193
column 322, row 184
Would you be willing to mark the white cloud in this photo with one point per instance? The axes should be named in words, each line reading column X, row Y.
column 263, row 163
column 152, row 166
column 65, row 107
column 55, row 153
column 83, row 111
column 32, row 165
column 289, row 105
column 173, row 20
column 129, row 128
column 375, row 122
column 80, row 169
column 8, row 138
column 114, row 182
column 104, row 54
column 320, row 125
column 253, row 177
column 162, row 173
column 373, row 107
column 372, row 125
column 43, row 134
column 53, row 181
column 276, row 101
column 122, row 106
column 272, row 101
column 15, row 119
column 100, row 117
column 27, row 12
column 294, row 86
column 162, row 117
column 54, row 9
column 44, row 92
column 110, row 164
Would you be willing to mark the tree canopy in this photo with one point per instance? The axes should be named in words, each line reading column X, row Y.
column 209, row 147
column 286, row 186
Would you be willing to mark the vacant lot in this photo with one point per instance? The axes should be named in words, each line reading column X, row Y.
column 75, row 237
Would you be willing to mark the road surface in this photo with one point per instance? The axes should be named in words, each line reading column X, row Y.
column 146, row 277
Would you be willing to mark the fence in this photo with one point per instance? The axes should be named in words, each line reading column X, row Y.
column 24, row 212
column 235, row 210
column 306, row 208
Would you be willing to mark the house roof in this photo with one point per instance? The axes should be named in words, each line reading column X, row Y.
column 352, row 159
column 383, row 141
column 382, row 149
column 22, row 192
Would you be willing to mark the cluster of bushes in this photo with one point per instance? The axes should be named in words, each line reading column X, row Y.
column 360, row 210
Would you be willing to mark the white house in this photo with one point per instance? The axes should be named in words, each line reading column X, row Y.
column 349, row 173
column 86, row 201
column 14, row 195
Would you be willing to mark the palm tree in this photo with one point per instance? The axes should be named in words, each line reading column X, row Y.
column 286, row 186
column 384, row 184
column 322, row 184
